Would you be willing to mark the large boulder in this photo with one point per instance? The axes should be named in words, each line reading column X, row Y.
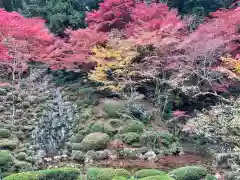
column 95, row 141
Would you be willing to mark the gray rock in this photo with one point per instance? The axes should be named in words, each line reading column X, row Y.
column 151, row 156
column 101, row 155
column 78, row 156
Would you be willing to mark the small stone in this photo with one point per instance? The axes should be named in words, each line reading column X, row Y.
column 151, row 156
column 2, row 108
column 101, row 155
column 3, row 92
column 47, row 159
column 78, row 156
column 26, row 104
column 57, row 157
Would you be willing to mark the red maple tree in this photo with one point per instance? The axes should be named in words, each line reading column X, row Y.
column 21, row 39
column 73, row 53
column 112, row 14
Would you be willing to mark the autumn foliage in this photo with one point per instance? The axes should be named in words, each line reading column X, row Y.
column 152, row 38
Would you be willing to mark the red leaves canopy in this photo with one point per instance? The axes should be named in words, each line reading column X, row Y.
column 112, row 14
column 222, row 30
column 22, row 39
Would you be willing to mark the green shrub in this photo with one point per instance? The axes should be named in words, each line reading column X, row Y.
column 112, row 110
column 5, row 158
column 5, row 133
column 147, row 172
column 122, row 178
column 23, row 176
column 132, row 126
column 103, row 127
column 154, row 139
column 119, row 178
column 210, row 177
column 59, row 174
column 189, row 173
column 138, row 111
column 48, row 174
column 129, row 138
column 108, row 174
column 159, row 177
column 92, row 173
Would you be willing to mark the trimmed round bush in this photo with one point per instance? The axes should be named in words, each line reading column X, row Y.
column 103, row 127
column 109, row 173
column 189, row 173
column 129, row 138
column 93, row 172
column 48, row 174
column 95, row 141
column 21, row 156
column 78, row 137
column 23, row 176
column 112, row 110
column 5, row 158
column 148, row 172
column 159, row 177
column 154, row 139
column 5, row 133
column 119, row 178
column 210, row 177
column 132, row 126
column 59, row 174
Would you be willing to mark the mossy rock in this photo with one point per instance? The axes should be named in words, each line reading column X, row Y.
column 129, row 138
column 112, row 110
column 148, row 172
column 10, row 144
column 189, row 173
column 108, row 174
column 49, row 174
column 95, row 141
column 5, row 133
column 103, row 127
column 159, row 177
column 132, row 126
